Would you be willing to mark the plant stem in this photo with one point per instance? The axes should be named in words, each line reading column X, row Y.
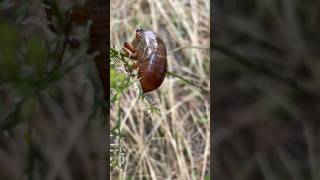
column 187, row 81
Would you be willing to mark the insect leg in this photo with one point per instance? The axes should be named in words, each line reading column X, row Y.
column 129, row 46
column 135, row 66
column 132, row 55
column 130, row 68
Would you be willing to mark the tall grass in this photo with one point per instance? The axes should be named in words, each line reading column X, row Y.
column 171, row 142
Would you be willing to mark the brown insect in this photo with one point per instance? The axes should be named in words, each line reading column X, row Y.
column 150, row 54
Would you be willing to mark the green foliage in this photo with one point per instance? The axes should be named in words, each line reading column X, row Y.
column 151, row 109
column 16, row 55
column 9, row 39
column 117, row 79
column 36, row 54
column 27, row 62
column 26, row 68
column 120, row 81
column 28, row 107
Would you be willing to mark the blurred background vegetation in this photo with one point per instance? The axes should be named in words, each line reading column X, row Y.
column 51, row 125
column 51, row 103
column 266, row 89
column 166, row 133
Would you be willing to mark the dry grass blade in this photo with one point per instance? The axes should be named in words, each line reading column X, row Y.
column 171, row 142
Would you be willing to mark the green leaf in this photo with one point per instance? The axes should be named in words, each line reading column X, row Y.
column 112, row 78
column 9, row 39
column 8, row 36
column 36, row 53
column 27, row 108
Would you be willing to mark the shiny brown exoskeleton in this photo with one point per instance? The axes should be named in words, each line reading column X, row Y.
column 150, row 52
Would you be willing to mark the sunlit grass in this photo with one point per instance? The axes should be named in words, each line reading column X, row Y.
column 173, row 141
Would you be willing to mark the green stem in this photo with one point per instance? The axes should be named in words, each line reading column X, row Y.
column 187, row 81
column 187, row 47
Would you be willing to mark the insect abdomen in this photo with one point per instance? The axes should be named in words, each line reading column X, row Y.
column 153, row 72
column 152, row 61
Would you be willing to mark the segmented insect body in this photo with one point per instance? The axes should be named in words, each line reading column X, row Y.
column 152, row 59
